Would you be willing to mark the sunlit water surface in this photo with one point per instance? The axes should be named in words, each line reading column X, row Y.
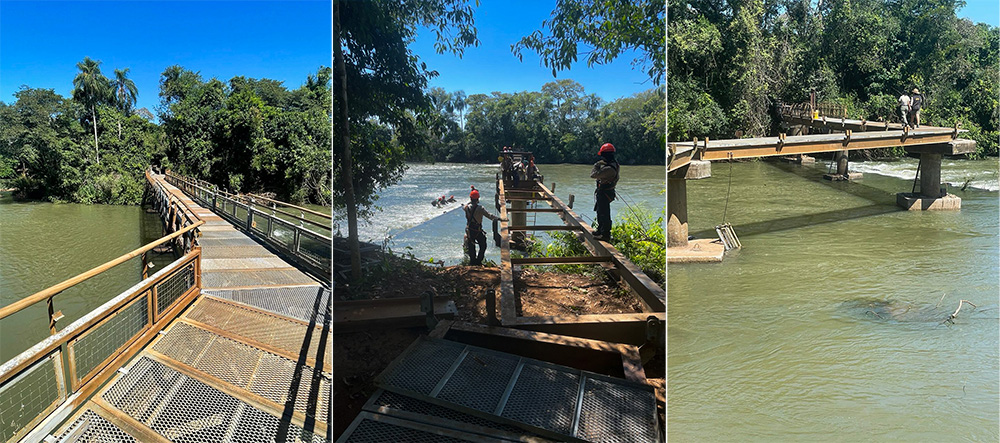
column 827, row 325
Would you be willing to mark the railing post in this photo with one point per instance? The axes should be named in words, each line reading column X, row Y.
column 296, row 240
column 249, row 214
column 54, row 315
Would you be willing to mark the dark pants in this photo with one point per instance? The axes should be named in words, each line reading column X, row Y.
column 603, row 208
column 472, row 237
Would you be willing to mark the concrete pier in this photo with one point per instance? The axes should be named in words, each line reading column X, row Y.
column 840, row 159
column 679, row 249
column 931, row 196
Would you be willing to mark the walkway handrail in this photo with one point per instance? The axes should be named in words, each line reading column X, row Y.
column 52, row 291
column 306, row 210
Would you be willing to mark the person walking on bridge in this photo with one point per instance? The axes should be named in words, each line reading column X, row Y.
column 916, row 102
column 605, row 171
column 904, row 108
column 474, row 228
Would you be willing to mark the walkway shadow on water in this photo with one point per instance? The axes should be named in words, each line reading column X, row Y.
column 883, row 203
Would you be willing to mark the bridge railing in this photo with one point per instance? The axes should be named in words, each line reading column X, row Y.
column 305, row 240
column 41, row 386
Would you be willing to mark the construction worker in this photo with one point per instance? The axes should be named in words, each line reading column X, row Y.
column 916, row 102
column 474, row 228
column 605, row 171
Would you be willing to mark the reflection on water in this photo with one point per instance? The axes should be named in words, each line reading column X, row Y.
column 827, row 325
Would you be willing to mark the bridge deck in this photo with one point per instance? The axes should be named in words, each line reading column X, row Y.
column 249, row 360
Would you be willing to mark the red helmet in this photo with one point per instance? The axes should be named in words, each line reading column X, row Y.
column 607, row 147
column 474, row 194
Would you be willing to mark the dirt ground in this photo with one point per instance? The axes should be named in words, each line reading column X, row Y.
column 360, row 356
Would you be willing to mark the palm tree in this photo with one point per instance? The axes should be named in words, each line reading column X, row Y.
column 459, row 105
column 125, row 93
column 90, row 87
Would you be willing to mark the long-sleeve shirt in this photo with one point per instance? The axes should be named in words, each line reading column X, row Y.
column 605, row 173
column 478, row 213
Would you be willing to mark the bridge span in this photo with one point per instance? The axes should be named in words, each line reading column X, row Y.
column 230, row 342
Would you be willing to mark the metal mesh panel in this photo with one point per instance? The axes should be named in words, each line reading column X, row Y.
column 30, row 394
column 544, row 397
column 92, row 428
column 283, row 234
column 183, row 409
column 268, row 329
column 214, row 264
column 616, row 413
column 230, row 361
column 104, row 340
column 422, row 367
column 479, row 382
column 376, row 431
column 270, row 277
column 168, row 291
column 235, row 252
column 295, row 302
column 409, row 404
column 316, row 249
column 232, row 241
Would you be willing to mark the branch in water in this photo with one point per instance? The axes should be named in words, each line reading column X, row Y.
column 951, row 318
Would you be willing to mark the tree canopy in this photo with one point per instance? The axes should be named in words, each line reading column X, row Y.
column 248, row 135
column 731, row 59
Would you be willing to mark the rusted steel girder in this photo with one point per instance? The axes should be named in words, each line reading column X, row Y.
column 683, row 152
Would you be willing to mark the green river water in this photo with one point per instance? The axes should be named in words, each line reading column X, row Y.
column 42, row 244
column 827, row 325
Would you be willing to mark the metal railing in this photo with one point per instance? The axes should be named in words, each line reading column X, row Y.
column 306, row 241
column 44, row 384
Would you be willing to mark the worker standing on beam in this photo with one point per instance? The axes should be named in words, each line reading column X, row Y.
column 605, row 171
column 904, row 108
column 474, row 228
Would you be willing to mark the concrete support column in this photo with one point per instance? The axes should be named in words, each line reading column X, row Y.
column 930, row 174
column 841, row 162
column 930, row 197
column 677, row 222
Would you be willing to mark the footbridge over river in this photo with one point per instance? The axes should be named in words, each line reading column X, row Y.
column 691, row 161
column 230, row 342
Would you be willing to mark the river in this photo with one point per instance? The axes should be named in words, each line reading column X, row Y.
column 405, row 212
column 827, row 325
column 42, row 244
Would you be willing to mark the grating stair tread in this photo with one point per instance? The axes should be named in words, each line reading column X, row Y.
column 392, row 403
column 371, row 427
column 253, row 326
column 271, row 376
column 258, row 277
column 551, row 400
column 298, row 302
column 182, row 408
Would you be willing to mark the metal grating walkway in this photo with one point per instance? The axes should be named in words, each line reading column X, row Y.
column 248, row 361
column 503, row 391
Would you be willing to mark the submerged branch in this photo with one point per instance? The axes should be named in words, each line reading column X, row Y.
column 951, row 318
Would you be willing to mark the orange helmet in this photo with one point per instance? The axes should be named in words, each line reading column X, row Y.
column 474, row 194
column 607, row 147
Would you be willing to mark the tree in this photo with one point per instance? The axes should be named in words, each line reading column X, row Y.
column 607, row 27
column 125, row 93
column 459, row 104
column 384, row 84
column 91, row 88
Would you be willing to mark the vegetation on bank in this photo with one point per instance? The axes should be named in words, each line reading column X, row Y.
column 636, row 234
column 246, row 135
column 731, row 60
column 559, row 124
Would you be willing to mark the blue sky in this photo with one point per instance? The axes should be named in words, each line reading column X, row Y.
column 982, row 11
column 41, row 42
column 493, row 67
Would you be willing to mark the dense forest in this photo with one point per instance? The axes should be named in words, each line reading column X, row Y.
column 729, row 60
column 246, row 135
column 559, row 124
